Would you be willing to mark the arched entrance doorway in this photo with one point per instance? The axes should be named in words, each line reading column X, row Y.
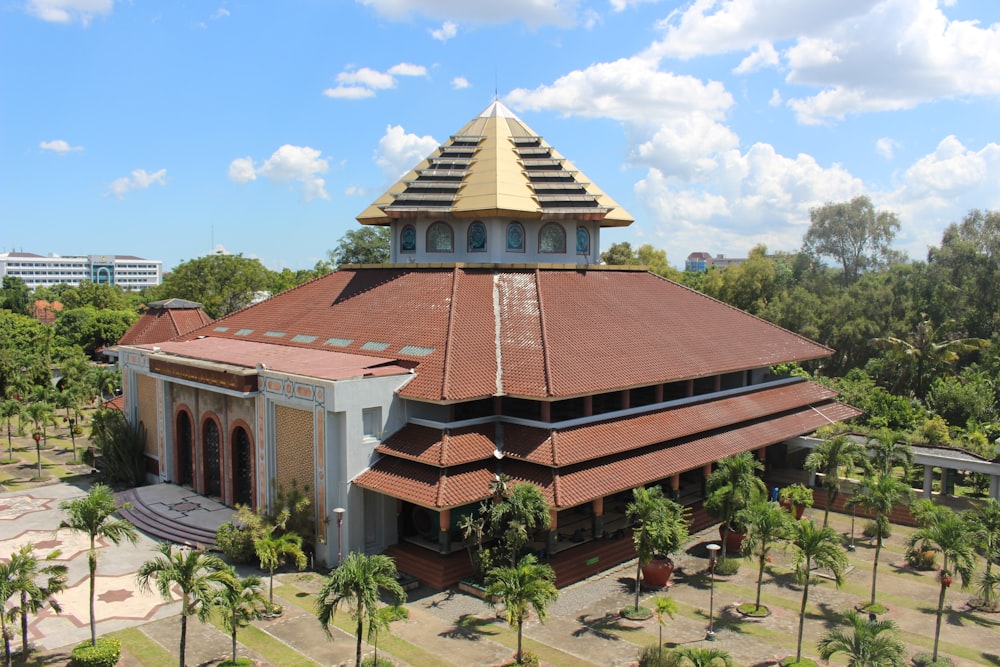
column 185, row 450
column 210, row 458
column 242, row 467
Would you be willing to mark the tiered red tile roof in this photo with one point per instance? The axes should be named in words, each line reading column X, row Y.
column 165, row 320
column 534, row 333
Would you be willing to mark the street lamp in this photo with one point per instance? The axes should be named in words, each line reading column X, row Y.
column 850, row 547
column 339, row 511
column 713, row 551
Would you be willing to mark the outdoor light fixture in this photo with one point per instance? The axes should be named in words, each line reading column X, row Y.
column 339, row 511
column 713, row 551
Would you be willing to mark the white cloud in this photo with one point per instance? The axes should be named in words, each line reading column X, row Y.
column 531, row 12
column 139, row 180
column 775, row 98
column 356, row 191
column 300, row 164
column 58, row 146
column 762, row 56
column 447, row 30
column 220, row 13
column 399, row 151
column 622, row 5
column 886, row 147
column 357, row 84
column 69, row 11
column 459, row 82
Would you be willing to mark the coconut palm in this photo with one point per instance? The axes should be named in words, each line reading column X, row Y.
column 8, row 410
column 733, row 486
column 41, row 579
column 41, row 414
column 665, row 606
column 200, row 576
column 355, row 583
column 868, row 643
column 690, row 656
column 879, row 494
column 240, row 601
column 11, row 583
column 831, row 458
column 659, row 527
column 766, row 523
column 819, row 547
column 949, row 534
column 273, row 550
column 92, row 516
column 984, row 522
column 528, row 585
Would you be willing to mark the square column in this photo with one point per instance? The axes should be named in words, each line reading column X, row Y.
column 928, row 481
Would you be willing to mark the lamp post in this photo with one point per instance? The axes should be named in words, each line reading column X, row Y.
column 850, row 547
column 713, row 551
column 339, row 511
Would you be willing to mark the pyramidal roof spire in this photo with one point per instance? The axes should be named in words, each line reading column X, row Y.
column 495, row 165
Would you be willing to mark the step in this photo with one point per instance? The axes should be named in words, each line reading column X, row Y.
column 165, row 528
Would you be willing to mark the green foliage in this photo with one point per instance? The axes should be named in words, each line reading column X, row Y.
column 367, row 245
column 97, row 296
column 766, row 524
column 659, row 526
column 236, row 537
column 934, row 431
column 882, row 409
column 926, row 659
column 15, row 296
column 239, row 662
column 122, row 446
column 819, row 547
column 91, row 329
column 732, row 487
column 727, row 567
column 522, row 510
column 292, row 512
column 654, row 259
column 853, row 234
column 222, row 284
column 106, row 653
column 865, row 642
column 523, row 587
column 967, row 398
column 797, row 494
column 693, row 656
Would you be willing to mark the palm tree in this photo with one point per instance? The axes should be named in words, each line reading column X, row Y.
column 659, row 527
column 690, row 656
column 356, row 583
column 41, row 414
column 272, row 551
column 766, row 524
column 949, row 534
column 521, row 511
column 240, row 601
column 528, row 585
column 105, row 380
column 41, row 579
column 830, row 458
column 92, row 516
column 8, row 410
column 199, row 575
column 819, row 546
column 888, row 451
column 867, row 644
column 879, row 494
column 10, row 584
column 733, row 486
column 665, row 606
column 984, row 522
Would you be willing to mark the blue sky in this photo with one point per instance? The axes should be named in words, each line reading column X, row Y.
column 161, row 128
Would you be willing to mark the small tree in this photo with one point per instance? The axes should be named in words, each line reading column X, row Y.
column 41, row 580
column 521, row 511
column 92, row 516
column 659, row 527
column 356, row 583
column 950, row 535
column 8, row 410
column 528, row 585
column 200, row 577
column 831, row 458
column 665, row 606
column 692, row 656
column 240, row 601
column 867, row 643
column 273, row 550
column 733, row 486
column 767, row 523
column 879, row 494
column 814, row 545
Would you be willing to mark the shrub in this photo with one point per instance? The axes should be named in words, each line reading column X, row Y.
column 871, row 530
column 636, row 613
column 239, row 662
column 236, row 537
column 728, row 567
column 105, row 654
column 926, row 659
column 122, row 446
column 370, row 662
column 291, row 512
column 652, row 656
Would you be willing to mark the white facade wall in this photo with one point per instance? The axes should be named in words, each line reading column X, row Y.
column 130, row 273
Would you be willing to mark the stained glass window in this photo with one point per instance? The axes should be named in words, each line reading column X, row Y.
column 515, row 237
column 552, row 238
column 582, row 241
column 477, row 237
column 440, row 238
column 408, row 239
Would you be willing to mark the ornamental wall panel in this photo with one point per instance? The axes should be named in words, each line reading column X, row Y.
column 147, row 410
column 294, row 435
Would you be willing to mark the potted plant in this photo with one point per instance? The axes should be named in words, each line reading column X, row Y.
column 796, row 498
column 732, row 487
column 659, row 528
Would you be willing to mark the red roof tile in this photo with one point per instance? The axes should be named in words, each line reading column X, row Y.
column 158, row 325
column 441, row 448
column 477, row 332
column 572, row 485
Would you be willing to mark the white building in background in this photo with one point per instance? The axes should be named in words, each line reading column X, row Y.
column 126, row 271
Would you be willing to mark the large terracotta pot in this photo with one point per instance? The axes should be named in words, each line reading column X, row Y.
column 656, row 573
column 734, row 541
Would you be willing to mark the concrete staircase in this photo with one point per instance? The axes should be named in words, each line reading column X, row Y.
column 163, row 528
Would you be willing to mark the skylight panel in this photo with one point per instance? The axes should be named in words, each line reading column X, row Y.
column 274, row 334
column 244, row 332
column 374, row 346
column 221, row 329
column 338, row 342
column 416, row 350
column 303, row 338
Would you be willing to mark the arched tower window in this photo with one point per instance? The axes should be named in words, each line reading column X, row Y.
column 552, row 238
column 408, row 239
column 185, row 450
column 515, row 237
column 242, row 457
column 477, row 237
column 440, row 238
column 211, row 458
column 582, row 241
